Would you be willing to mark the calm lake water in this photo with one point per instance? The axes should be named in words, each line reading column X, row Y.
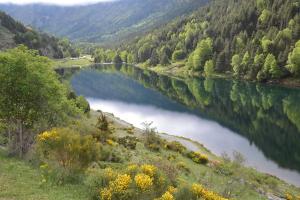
column 261, row 122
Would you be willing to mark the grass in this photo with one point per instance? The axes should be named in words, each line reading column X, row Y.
column 20, row 181
column 75, row 62
column 230, row 180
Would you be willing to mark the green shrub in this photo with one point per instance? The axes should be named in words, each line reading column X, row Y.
column 152, row 140
column 95, row 178
column 128, row 142
column 185, row 193
column 178, row 55
column 175, row 146
column 66, row 153
column 83, row 104
column 111, row 154
column 182, row 166
column 104, row 130
column 130, row 130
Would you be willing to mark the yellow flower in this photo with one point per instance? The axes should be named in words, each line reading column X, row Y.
column 197, row 189
column 201, row 192
column 172, row 189
column 121, row 183
column 167, row 196
column 48, row 135
column 143, row 181
column 149, row 169
column 106, row 194
column 109, row 173
column 110, row 142
column 288, row 196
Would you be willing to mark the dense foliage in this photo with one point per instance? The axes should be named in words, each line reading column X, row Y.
column 111, row 22
column 255, row 39
column 31, row 97
column 13, row 33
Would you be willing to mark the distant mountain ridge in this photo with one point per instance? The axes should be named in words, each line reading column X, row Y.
column 13, row 33
column 101, row 22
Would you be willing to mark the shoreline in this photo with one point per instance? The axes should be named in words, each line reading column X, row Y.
column 188, row 143
column 174, row 71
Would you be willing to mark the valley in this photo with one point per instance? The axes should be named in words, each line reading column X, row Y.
column 150, row 100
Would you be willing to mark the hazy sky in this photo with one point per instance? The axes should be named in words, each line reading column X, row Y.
column 57, row 2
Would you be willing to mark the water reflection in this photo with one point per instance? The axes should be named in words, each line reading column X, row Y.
column 261, row 122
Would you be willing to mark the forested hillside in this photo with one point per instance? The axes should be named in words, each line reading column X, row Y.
column 254, row 39
column 102, row 22
column 13, row 33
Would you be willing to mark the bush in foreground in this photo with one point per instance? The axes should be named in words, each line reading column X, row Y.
column 65, row 152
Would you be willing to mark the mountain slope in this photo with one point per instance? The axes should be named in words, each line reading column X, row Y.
column 103, row 21
column 13, row 33
column 254, row 39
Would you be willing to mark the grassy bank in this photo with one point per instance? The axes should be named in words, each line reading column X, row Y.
column 82, row 61
column 20, row 180
column 180, row 70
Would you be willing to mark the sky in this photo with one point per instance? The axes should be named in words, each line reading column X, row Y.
column 56, row 2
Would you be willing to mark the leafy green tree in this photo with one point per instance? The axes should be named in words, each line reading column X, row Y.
column 83, row 104
column 266, row 44
column 124, row 56
column 178, row 55
column 270, row 67
column 294, row 60
column 261, row 4
column 144, row 53
column 117, row 59
column 202, row 53
column 265, row 16
column 221, row 62
column 164, row 59
column 246, row 60
column 154, row 59
column 130, row 58
column 209, row 68
column 30, row 95
column 236, row 64
column 190, row 62
column 257, row 65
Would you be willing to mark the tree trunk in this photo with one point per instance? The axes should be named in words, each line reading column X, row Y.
column 9, row 136
column 21, row 139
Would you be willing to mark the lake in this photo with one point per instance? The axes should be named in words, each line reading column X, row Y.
column 262, row 122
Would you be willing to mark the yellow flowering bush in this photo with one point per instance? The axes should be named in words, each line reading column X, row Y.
column 201, row 192
column 167, row 196
column 110, row 142
column 48, row 135
column 289, row 196
column 172, row 189
column 132, row 169
column 198, row 157
column 143, row 181
column 121, row 183
column 106, row 194
column 149, row 170
column 66, row 152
